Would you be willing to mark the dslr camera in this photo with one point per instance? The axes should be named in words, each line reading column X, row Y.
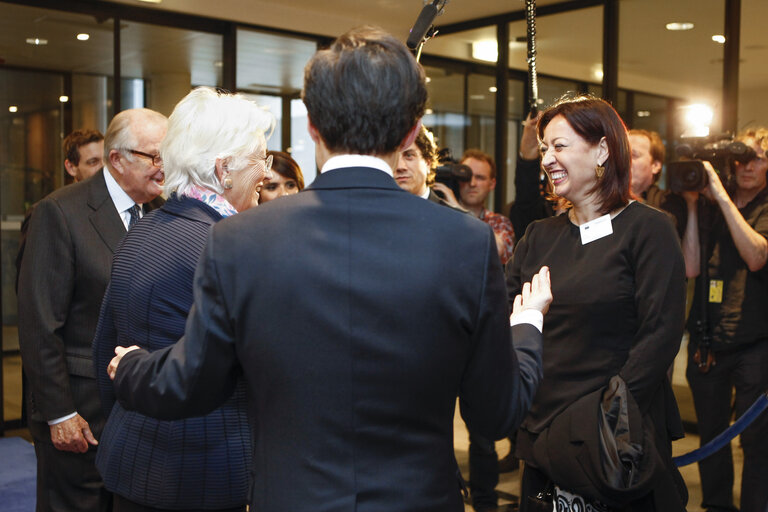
column 450, row 172
column 688, row 172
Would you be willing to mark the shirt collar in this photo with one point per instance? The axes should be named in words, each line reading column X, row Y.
column 425, row 195
column 121, row 200
column 341, row 161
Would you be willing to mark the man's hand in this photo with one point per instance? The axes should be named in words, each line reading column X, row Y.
column 447, row 194
column 119, row 353
column 715, row 189
column 72, row 435
column 529, row 142
column 537, row 294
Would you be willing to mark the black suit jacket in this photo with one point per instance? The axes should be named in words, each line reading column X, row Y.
column 64, row 272
column 356, row 312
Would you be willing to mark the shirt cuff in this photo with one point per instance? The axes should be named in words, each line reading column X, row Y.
column 62, row 419
column 528, row 316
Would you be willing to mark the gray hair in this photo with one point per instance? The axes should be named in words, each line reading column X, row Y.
column 120, row 135
column 206, row 125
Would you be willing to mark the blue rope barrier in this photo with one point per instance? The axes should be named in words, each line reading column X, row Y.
column 724, row 438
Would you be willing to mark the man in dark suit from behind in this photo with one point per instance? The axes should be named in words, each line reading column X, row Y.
column 64, row 272
column 355, row 311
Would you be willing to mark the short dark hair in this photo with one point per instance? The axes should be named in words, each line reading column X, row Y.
column 481, row 155
column 593, row 119
column 658, row 152
column 77, row 138
column 284, row 165
column 364, row 93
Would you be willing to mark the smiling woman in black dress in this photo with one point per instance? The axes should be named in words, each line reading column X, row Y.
column 613, row 328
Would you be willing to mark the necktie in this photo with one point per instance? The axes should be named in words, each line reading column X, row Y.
column 133, row 211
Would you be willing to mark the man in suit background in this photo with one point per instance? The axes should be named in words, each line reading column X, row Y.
column 83, row 153
column 356, row 332
column 65, row 269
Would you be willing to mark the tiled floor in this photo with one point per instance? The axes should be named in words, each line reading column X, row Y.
column 508, row 482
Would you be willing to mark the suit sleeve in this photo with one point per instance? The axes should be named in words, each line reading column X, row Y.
column 500, row 379
column 660, row 290
column 199, row 372
column 46, row 283
column 104, row 343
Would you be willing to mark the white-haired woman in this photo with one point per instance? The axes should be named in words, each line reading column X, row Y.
column 214, row 158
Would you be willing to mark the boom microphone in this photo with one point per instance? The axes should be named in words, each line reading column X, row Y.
column 423, row 22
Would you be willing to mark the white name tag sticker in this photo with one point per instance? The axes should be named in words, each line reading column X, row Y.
column 596, row 229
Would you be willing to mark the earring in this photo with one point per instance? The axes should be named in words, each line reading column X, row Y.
column 227, row 181
column 599, row 171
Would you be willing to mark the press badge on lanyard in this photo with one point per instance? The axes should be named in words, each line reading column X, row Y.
column 716, row 291
column 596, row 229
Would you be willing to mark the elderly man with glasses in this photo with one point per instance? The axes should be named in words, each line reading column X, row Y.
column 73, row 234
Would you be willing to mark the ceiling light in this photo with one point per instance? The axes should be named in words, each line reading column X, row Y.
column 718, row 38
column 13, row 108
column 427, row 79
column 83, row 36
column 476, row 97
column 643, row 113
column 63, row 99
column 598, row 73
column 485, row 50
column 218, row 64
column 698, row 117
column 682, row 25
column 493, row 88
column 36, row 41
column 151, row 1
column 429, row 111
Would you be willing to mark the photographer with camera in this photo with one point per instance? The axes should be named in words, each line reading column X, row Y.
column 728, row 324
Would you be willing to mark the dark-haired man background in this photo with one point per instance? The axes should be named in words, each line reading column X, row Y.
column 352, row 342
column 83, row 153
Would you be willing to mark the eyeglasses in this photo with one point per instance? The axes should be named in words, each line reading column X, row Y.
column 267, row 164
column 157, row 161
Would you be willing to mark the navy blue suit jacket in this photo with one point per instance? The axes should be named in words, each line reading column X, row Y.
column 357, row 313
column 196, row 463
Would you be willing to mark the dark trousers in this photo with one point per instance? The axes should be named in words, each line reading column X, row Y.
column 745, row 370
column 483, row 472
column 68, row 481
column 126, row 505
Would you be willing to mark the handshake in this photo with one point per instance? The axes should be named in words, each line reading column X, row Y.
column 536, row 295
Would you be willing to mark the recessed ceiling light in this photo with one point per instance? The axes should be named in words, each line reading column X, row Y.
column 476, row 97
column 429, row 111
column 83, row 36
column 36, row 41
column 63, row 99
column 13, row 108
column 682, row 25
column 718, row 38
column 493, row 88
column 218, row 64
column 643, row 113
column 427, row 79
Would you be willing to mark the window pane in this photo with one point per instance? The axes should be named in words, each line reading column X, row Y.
column 302, row 147
column 445, row 108
column 274, row 105
column 271, row 63
column 159, row 79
